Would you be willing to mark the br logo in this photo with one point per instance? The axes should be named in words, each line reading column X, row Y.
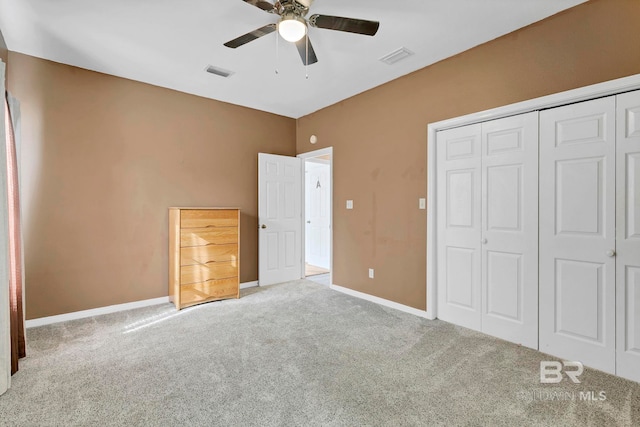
column 551, row 371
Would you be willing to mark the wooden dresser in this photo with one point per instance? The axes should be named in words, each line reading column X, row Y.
column 204, row 249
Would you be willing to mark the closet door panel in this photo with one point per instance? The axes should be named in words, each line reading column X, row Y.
column 509, row 254
column 458, row 219
column 577, row 232
column 628, row 236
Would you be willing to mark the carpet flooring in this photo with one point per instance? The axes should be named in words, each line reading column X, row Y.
column 323, row 279
column 295, row 354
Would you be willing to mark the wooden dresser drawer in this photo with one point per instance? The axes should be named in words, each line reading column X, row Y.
column 196, row 255
column 197, row 293
column 208, row 236
column 199, row 218
column 212, row 271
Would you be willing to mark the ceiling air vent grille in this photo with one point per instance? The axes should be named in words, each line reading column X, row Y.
column 218, row 71
column 396, row 56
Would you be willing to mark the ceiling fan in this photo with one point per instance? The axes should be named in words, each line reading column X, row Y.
column 293, row 25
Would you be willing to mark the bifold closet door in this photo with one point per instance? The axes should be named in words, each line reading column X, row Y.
column 488, row 227
column 628, row 236
column 458, row 218
column 577, row 232
column 510, row 229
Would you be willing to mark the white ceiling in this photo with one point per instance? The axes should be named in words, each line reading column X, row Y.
column 169, row 43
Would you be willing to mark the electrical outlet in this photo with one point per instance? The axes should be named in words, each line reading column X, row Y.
column 422, row 203
column 349, row 204
column 371, row 273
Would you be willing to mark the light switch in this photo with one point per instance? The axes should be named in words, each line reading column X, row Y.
column 371, row 273
column 349, row 204
column 422, row 203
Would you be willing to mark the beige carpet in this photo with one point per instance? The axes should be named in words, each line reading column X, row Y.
column 296, row 354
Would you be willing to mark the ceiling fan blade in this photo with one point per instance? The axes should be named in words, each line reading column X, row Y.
column 350, row 25
column 302, row 50
column 261, row 4
column 249, row 37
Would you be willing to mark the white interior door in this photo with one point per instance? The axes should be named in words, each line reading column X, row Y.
column 628, row 236
column 317, row 212
column 279, row 217
column 510, row 229
column 458, row 226
column 577, row 232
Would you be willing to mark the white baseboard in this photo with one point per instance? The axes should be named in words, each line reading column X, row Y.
column 33, row 323
column 94, row 312
column 249, row 284
column 381, row 301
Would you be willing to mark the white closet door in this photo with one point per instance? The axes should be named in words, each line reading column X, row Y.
column 628, row 236
column 458, row 228
column 510, row 229
column 577, row 232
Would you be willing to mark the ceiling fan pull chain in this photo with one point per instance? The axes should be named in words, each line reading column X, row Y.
column 277, row 50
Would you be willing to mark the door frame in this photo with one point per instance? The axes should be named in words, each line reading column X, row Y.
column 611, row 87
column 304, row 157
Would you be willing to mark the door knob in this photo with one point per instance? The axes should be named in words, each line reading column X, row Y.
column 308, row 222
column 263, row 226
column 611, row 253
column 484, row 241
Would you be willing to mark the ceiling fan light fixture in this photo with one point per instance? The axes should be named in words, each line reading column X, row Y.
column 292, row 28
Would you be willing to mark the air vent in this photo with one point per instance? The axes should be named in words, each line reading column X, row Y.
column 396, row 56
column 218, row 71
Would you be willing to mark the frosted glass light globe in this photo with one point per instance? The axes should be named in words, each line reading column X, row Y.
column 292, row 29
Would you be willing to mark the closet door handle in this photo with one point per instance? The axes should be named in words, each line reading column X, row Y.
column 610, row 253
column 484, row 241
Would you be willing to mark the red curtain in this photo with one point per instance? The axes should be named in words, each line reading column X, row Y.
column 18, row 343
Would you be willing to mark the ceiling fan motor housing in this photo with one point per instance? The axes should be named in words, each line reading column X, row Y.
column 286, row 8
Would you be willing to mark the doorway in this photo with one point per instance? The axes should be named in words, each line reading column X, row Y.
column 317, row 230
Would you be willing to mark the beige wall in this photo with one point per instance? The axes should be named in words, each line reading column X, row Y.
column 103, row 159
column 379, row 137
